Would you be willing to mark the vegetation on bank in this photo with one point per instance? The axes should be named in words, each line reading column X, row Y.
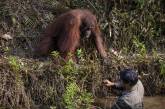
column 28, row 83
column 133, row 30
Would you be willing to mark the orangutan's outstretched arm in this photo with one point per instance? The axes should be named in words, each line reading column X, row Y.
column 99, row 42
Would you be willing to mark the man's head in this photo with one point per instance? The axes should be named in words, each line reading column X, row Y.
column 129, row 77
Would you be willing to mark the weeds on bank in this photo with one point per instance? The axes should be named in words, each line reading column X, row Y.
column 16, row 65
column 139, row 47
column 162, row 68
column 74, row 97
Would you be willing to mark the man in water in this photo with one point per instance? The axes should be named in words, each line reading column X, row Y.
column 132, row 95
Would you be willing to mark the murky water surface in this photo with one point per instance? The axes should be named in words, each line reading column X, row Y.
column 154, row 102
column 157, row 102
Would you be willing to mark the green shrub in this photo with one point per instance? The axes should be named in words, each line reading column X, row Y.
column 75, row 98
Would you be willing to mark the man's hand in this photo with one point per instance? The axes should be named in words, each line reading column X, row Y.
column 108, row 83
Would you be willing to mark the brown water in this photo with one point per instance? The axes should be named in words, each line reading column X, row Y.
column 154, row 102
column 157, row 102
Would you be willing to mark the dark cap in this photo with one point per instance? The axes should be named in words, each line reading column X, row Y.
column 129, row 76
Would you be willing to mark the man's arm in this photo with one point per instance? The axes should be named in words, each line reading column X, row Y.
column 115, row 85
